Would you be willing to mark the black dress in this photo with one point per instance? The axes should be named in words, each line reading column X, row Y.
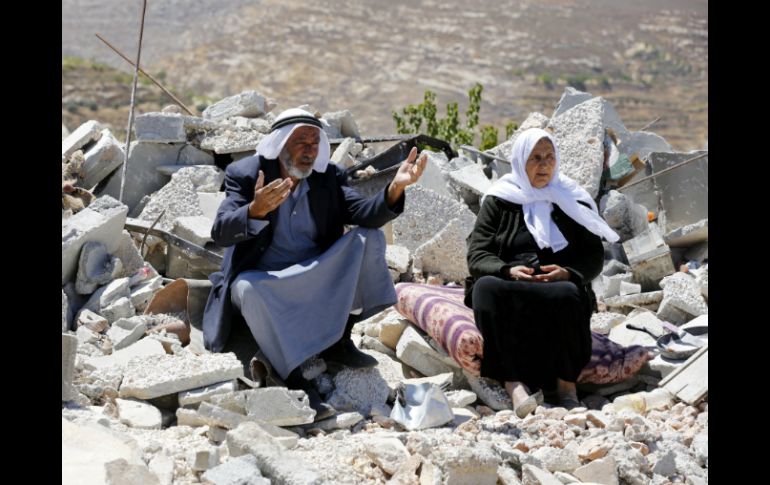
column 533, row 332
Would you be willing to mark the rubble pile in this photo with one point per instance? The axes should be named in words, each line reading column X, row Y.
column 144, row 402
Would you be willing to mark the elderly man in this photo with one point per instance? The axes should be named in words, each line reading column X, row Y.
column 288, row 270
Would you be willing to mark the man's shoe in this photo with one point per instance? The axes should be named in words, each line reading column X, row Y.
column 345, row 353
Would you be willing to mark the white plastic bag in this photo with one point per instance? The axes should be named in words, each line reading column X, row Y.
column 424, row 406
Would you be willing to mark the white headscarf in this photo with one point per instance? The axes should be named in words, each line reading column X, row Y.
column 538, row 203
column 271, row 145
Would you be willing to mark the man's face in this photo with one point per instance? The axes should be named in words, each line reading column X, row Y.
column 541, row 163
column 300, row 151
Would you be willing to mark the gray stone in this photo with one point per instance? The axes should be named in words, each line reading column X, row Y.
column 138, row 414
column 278, row 406
column 579, row 134
column 196, row 229
column 143, row 293
column 490, row 392
column 702, row 279
column 242, row 470
column 101, row 222
column 69, row 345
column 126, row 331
column 649, row 257
column 569, row 99
column 507, row 476
column 441, row 380
column 160, row 128
column 643, row 143
column 130, row 257
column 341, row 124
column 373, row 343
column 159, row 375
column 190, row 417
column 397, row 258
column 214, row 415
column 532, row 475
column 460, row 464
column 200, row 394
column 283, row 466
column 614, row 267
column 700, row 445
column 470, row 183
column 249, row 104
column 683, row 191
column 162, row 465
column 391, row 331
column 96, row 267
column 141, row 176
column 599, row 471
column 627, row 218
column 341, row 155
column 86, row 336
column 425, row 214
column 690, row 235
column 415, row 352
column 64, row 312
column 651, row 298
column 120, row 308
column 231, row 140
column 101, row 159
column 665, row 465
column 629, row 288
column 698, row 253
column 444, row 253
column 86, row 133
column 611, row 284
column 435, row 177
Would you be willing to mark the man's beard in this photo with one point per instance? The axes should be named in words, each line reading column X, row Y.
column 290, row 168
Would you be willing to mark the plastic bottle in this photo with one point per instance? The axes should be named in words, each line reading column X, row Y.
column 641, row 402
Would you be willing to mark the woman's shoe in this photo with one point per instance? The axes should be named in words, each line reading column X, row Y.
column 529, row 405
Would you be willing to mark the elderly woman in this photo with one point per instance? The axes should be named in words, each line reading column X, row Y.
column 532, row 254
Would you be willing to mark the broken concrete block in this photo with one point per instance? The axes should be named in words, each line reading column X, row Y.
column 643, row 143
column 415, row 352
column 461, row 398
column 203, row 457
column 142, row 178
column 391, row 331
column 603, row 322
column 284, row 466
column 341, row 124
column 126, row 331
column 579, row 134
column 209, row 203
column 683, row 291
column 162, row 465
column 86, row 133
column 649, row 257
column 532, row 475
column 86, row 336
column 490, row 392
column 105, row 296
column 64, row 312
column 470, row 184
column 159, row 375
column 101, row 159
column 599, row 471
column 214, row 415
column 196, row 229
column 129, row 256
column 102, row 221
column 362, row 389
column 249, row 104
column 120, row 358
column 614, row 267
column 648, row 299
column 120, row 472
column 436, row 174
column 250, row 432
column 242, row 470
column 684, row 190
column 142, row 294
column 200, row 394
column 462, row 415
column 232, row 140
column 179, row 198
column 500, row 168
column 441, row 380
column 689, row 235
column 557, row 459
column 702, row 279
column 278, row 406
column 121, row 308
column 629, row 288
column 138, row 414
column 627, row 337
column 444, row 253
column 623, row 215
column 387, row 453
column 96, row 267
column 190, row 417
column 611, row 284
column 341, row 155
column 570, row 98
column 69, row 345
column 459, row 464
column 160, row 128
column 338, row 421
column 397, row 258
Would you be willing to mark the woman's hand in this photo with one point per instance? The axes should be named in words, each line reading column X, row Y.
column 521, row 273
column 553, row 272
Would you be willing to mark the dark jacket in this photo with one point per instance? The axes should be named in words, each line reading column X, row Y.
column 332, row 204
column 491, row 248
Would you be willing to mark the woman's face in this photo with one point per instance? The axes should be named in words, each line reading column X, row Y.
column 541, row 163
